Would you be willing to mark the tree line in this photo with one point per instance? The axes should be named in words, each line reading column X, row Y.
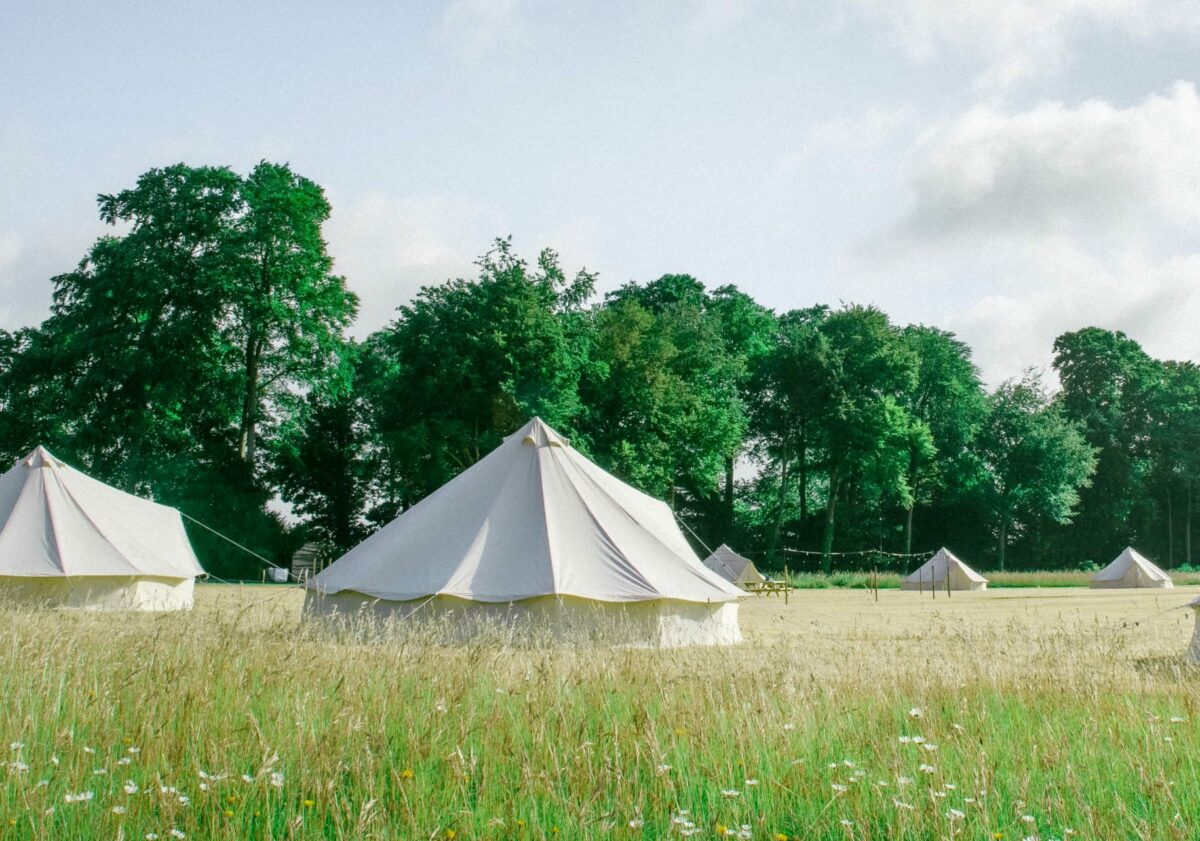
column 199, row 355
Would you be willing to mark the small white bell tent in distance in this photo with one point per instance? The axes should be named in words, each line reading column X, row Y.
column 734, row 568
column 68, row 540
column 933, row 574
column 534, row 538
column 1130, row 569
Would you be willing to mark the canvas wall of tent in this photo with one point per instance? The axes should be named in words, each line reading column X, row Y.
column 68, row 540
column 534, row 539
column 1130, row 569
column 944, row 571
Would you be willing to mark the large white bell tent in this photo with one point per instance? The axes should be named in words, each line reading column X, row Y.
column 733, row 567
column 534, row 538
column 68, row 540
column 933, row 574
column 1194, row 650
column 1130, row 569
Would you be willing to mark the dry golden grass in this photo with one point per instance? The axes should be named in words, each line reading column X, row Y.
column 1046, row 711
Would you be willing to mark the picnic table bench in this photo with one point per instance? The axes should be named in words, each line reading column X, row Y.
column 768, row 588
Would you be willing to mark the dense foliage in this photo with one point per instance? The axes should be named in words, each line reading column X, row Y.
column 199, row 354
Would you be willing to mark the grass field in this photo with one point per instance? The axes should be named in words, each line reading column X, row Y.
column 1052, row 713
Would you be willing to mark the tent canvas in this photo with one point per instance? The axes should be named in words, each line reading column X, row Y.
column 933, row 574
column 734, row 568
column 69, row 540
column 535, row 535
column 1130, row 569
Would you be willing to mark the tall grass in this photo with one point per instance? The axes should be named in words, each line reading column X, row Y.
column 270, row 730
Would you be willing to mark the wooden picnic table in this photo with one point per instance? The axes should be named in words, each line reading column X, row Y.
column 768, row 588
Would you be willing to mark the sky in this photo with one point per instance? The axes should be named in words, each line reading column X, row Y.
column 1005, row 170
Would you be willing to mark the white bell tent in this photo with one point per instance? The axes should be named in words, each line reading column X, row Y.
column 1194, row 650
column 933, row 574
column 534, row 537
column 68, row 540
column 734, row 568
column 1130, row 569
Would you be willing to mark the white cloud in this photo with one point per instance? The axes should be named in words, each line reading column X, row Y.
column 1025, row 225
column 1060, row 170
column 1019, row 39
column 388, row 247
column 868, row 130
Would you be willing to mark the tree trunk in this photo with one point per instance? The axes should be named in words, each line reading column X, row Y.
column 247, row 444
column 728, row 498
column 773, row 537
column 1003, row 540
column 830, row 507
column 1170, row 531
column 803, row 477
column 908, row 529
column 1187, row 526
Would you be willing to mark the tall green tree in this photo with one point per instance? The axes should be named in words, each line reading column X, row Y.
column 948, row 399
column 286, row 310
column 139, row 374
column 1175, row 450
column 1108, row 387
column 465, row 363
column 663, row 396
column 1036, row 460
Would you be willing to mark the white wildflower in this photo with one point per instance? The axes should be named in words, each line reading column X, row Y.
column 118, row 810
column 929, row 746
column 926, row 769
column 124, row 760
column 838, row 789
column 916, row 712
column 955, row 814
column 151, row 836
column 847, row 823
column 177, row 833
column 662, row 769
column 730, row 792
column 789, row 726
column 277, row 779
column 751, row 782
column 53, row 760
column 99, row 772
column 88, row 750
column 903, row 781
column 246, row 778
column 636, row 823
column 204, row 786
column 42, row 783
column 82, row 797
column 135, row 749
column 131, row 787
column 1027, row 818
column 16, row 746
column 900, row 804
column 18, row 766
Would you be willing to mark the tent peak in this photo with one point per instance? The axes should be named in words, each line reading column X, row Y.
column 39, row 456
column 538, row 433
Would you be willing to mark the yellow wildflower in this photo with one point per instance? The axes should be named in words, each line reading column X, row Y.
column 308, row 803
column 406, row 774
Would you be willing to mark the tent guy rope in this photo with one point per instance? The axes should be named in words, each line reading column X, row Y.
column 231, row 540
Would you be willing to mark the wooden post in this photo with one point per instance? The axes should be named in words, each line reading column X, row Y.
column 787, row 585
